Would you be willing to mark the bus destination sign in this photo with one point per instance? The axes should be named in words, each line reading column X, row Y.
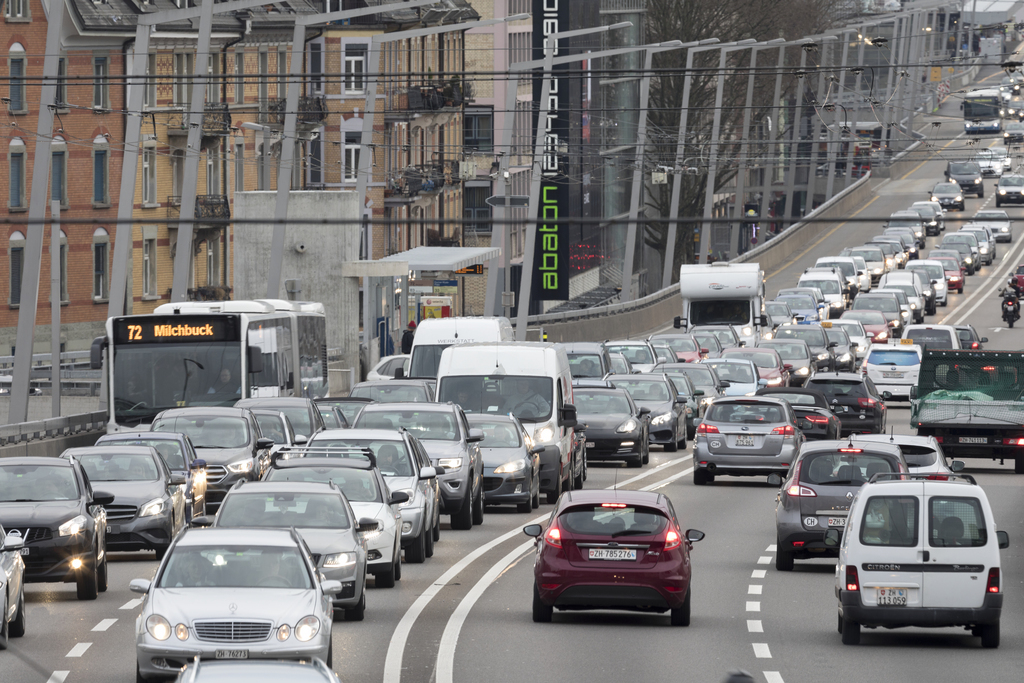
column 179, row 328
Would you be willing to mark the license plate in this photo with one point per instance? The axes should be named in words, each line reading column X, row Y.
column 612, row 554
column 837, row 521
column 113, row 529
column 892, row 597
column 591, row 444
column 894, row 375
column 232, row 654
column 24, row 551
column 744, row 440
column 973, row 439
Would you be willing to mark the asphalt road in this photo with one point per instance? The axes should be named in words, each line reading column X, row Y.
column 464, row 615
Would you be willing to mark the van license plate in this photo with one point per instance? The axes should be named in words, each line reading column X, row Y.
column 973, row 439
column 837, row 521
column 744, row 440
column 892, row 375
column 232, row 654
column 612, row 554
column 891, row 597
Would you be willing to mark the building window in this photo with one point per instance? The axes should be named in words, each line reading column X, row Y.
column 16, row 173
column 479, row 130
column 16, row 84
column 476, row 210
column 183, row 67
column 149, row 267
column 212, row 262
column 352, row 157
column 264, row 67
column 316, row 162
column 149, row 176
column 355, row 69
column 16, row 254
column 316, row 69
column 282, row 70
column 213, row 171
column 239, row 167
column 239, row 77
column 150, row 84
column 213, row 80
column 100, row 189
column 261, row 168
column 100, row 83
column 18, row 10
column 60, row 97
column 63, row 267
column 59, row 171
column 100, row 265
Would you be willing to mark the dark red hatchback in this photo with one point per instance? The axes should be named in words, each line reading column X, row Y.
column 613, row 550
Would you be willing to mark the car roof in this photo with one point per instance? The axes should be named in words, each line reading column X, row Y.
column 376, row 434
column 496, row 417
column 897, row 439
column 36, row 460
column 285, row 487
column 321, row 462
column 791, row 390
column 237, row 536
column 654, row 376
column 576, row 347
column 428, row 407
column 591, row 496
column 896, row 347
column 271, row 401
column 912, row 485
column 619, row 391
column 845, row 376
column 344, row 399
column 204, row 411
column 625, row 342
column 131, row 436
column 258, row 671
column 105, row 448
column 756, row 399
column 394, row 383
column 827, row 445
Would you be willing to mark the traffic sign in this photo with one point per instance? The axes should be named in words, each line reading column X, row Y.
column 515, row 200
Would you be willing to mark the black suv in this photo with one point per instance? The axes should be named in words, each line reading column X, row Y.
column 854, row 399
column 50, row 504
column 967, row 175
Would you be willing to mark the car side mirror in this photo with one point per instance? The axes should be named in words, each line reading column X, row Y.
column 331, row 587
column 678, row 322
column 704, row 351
column 199, row 464
column 102, row 498
column 833, row 345
column 139, row 586
column 957, row 466
column 202, row 522
column 399, row 373
column 12, row 542
column 697, row 392
column 762, row 383
column 1004, row 539
column 693, row 535
column 775, row 480
column 742, row 344
column 398, row 497
column 475, row 436
column 96, row 353
column 536, row 450
column 861, row 272
column 438, row 470
column 427, row 473
column 913, row 391
column 567, row 416
column 764, row 321
column 984, row 340
column 177, row 480
column 725, row 384
column 264, row 442
column 679, row 399
column 534, row 530
column 886, row 395
column 787, row 366
column 645, row 411
column 368, row 524
column 254, row 359
column 832, row 538
column 301, row 439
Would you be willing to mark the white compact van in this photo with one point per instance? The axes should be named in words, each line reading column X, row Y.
column 893, row 367
column 919, row 552
column 434, row 335
column 723, row 293
column 531, row 380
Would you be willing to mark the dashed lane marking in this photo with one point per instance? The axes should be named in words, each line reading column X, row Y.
column 131, row 604
column 764, row 559
column 78, row 650
column 754, row 589
column 668, row 480
column 652, row 471
column 761, row 651
column 773, row 677
column 104, row 625
column 57, row 677
column 754, row 626
column 771, row 549
column 758, row 573
column 754, row 606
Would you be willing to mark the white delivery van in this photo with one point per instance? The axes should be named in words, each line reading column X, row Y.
column 434, row 335
column 919, row 552
column 531, row 380
column 723, row 294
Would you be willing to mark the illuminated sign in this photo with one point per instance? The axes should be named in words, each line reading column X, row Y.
column 145, row 329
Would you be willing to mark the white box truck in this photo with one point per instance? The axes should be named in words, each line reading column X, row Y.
column 723, row 294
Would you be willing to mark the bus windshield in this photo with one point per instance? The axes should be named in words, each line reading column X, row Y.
column 149, row 378
column 985, row 107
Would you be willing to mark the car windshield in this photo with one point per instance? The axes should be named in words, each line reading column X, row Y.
column 852, row 329
column 330, row 418
column 350, row 409
column 845, row 267
column 680, row 344
column 799, row 301
column 931, row 338
column 272, row 427
column 874, row 255
column 904, row 223
column 497, row 433
column 243, row 566
column 600, row 403
column 745, row 413
column 838, row 388
column 429, row 425
column 1011, row 181
column 393, row 458
column 813, row 335
column 283, row 510
column 528, row 398
column 866, row 317
column 893, row 357
column 169, row 450
column 961, row 238
column 30, row 483
column 777, row 309
column 789, row 351
column 888, row 304
column 585, row 365
column 949, row 264
column 208, row 432
column 761, row 359
column 836, row 334
column 906, row 290
column 358, row 485
column 388, row 391
column 826, row 286
column 645, row 390
column 612, row 520
column 992, row 216
column 719, row 312
column 700, row 376
column 842, row 469
column 619, row 365
column 919, row 456
column 931, row 272
column 734, row 372
column 114, row 466
column 964, row 168
column 946, row 189
column 634, row 353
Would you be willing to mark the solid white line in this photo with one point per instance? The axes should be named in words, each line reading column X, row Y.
column 771, row 549
column 78, row 650
column 753, row 607
column 57, row 677
column 104, row 625
column 761, row 651
column 773, row 677
column 758, row 573
column 668, row 480
column 754, row 626
column 652, row 471
column 131, row 604
column 754, row 589
column 764, row 559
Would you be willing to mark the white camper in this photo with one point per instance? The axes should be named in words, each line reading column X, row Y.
column 723, row 294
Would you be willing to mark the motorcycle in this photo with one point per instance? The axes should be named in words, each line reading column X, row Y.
column 1011, row 307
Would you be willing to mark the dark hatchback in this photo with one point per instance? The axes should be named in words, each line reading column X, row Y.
column 616, row 425
column 854, row 399
column 50, row 503
column 814, row 416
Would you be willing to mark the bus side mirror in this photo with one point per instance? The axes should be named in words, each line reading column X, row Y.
column 96, row 353
column 254, row 359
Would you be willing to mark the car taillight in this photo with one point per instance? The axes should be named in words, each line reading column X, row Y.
column 975, row 345
column 703, row 428
column 867, row 402
column 672, row 540
column 1015, row 441
column 798, row 491
column 785, row 430
column 937, row 477
column 993, row 580
column 939, row 439
column 817, row 419
column 553, row 537
column 852, row 580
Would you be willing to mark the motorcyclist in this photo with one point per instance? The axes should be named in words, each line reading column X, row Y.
column 1013, row 291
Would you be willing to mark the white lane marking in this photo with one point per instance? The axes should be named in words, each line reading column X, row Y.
column 758, row 573
column 104, row 625
column 754, row 626
column 997, row 329
column 78, row 650
column 131, row 604
column 753, row 607
column 761, row 651
column 764, row 559
column 668, row 480
column 771, row 549
column 652, row 471
column 57, row 677
column 773, row 677
column 990, row 283
column 754, row 589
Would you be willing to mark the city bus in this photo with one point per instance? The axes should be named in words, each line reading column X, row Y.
column 210, row 353
column 981, row 112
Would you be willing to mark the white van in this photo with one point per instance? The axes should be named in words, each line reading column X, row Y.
column 918, row 552
column 528, row 379
column 434, row 335
column 893, row 367
column 723, row 294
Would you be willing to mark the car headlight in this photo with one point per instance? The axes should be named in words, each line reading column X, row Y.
column 838, row 304
column 845, row 358
column 412, row 497
column 935, row 199
column 511, row 467
column 918, row 233
column 905, row 314
column 662, row 419
column 747, row 331
column 928, row 292
column 706, row 401
column 307, row 629
column 804, row 371
column 629, row 425
column 158, row 627
column 153, row 507
column 883, row 335
column 978, row 180
column 74, row 526
column 545, row 435
column 812, row 316
column 888, row 261
column 877, row 271
column 284, row 632
column 913, row 307
column 862, row 348
column 959, row 198
column 240, row 467
column 1002, row 191
column 968, row 260
column 767, row 335
column 181, row 632
column 450, row 463
column 339, row 560
column 823, row 356
column 775, row 381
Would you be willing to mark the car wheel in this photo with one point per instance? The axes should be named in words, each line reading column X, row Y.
column 577, row 480
column 4, row 629
column 416, row 552
column 636, row 460
column 681, row 615
column 671, row 447
column 553, row 495
column 646, row 455
column 139, row 678
column 783, row 560
column 437, row 528
column 398, row 564
column 990, row 635
column 385, row 579
column 429, row 536
column 526, row 507
column 960, row 290
column 850, row 631
column 161, row 551
column 16, row 629
column 88, row 582
column 541, row 612
column 478, row 509
column 586, row 467
column 358, row 612
column 463, row 519
column 330, row 656
column 700, row 477
column 101, row 576
column 535, row 498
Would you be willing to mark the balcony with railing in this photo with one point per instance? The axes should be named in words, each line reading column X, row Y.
column 208, row 206
column 312, row 112
column 421, row 180
column 216, row 120
column 428, row 96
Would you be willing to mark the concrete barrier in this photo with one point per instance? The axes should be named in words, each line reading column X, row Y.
column 50, row 437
